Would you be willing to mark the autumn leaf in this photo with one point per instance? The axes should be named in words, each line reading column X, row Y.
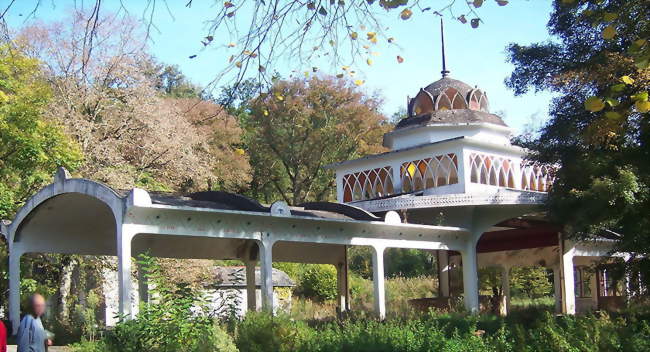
column 400, row 59
column 642, row 106
column 391, row 39
column 475, row 22
column 477, row 3
column 228, row 4
column 502, row 2
column 406, row 14
column 354, row 35
column 369, row 62
column 359, row 82
column 240, row 151
column 594, row 104
column 238, row 64
column 462, row 19
column 609, row 32
column 627, row 80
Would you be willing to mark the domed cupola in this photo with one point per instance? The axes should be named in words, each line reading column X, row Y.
column 447, row 94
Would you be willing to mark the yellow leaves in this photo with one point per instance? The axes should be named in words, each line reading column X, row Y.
column 359, row 82
column 406, row 14
column 240, row 151
column 372, row 37
column 354, row 35
column 238, row 64
column 345, row 68
column 609, row 32
column 3, row 97
column 627, row 80
column 265, row 112
column 369, row 62
column 231, row 45
column 610, row 16
column 400, row 59
column 477, row 3
column 642, row 106
column 594, row 104
column 250, row 53
column 279, row 96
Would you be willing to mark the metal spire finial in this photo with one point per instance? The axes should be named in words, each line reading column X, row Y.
column 444, row 71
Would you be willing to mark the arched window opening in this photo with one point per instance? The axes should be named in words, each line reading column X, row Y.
column 483, row 103
column 443, row 102
column 475, row 99
column 423, row 104
column 357, row 192
column 511, row 179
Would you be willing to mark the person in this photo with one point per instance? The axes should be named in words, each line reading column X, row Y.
column 31, row 336
column 3, row 337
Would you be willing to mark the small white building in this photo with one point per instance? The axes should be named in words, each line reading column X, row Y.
column 226, row 295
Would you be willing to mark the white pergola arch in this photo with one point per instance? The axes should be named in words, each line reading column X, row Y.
column 79, row 216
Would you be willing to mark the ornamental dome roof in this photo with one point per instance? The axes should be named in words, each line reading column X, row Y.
column 449, row 101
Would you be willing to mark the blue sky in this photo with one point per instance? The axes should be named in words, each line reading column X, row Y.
column 476, row 56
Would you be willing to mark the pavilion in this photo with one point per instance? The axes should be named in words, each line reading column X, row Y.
column 451, row 183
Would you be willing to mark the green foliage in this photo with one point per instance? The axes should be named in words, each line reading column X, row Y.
column 31, row 147
column 261, row 332
column 602, row 146
column 531, row 282
column 173, row 322
column 399, row 262
column 319, row 281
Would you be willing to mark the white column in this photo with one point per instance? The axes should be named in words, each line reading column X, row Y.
column 593, row 287
column 266, row 273
column 470, row 278
column 124, row 279
column 443, row 273
column 557, row 287
column 342, row 286
column 505, row 289
column 251, row 288
column 14, row 289
column 378, row 281
column 568, row 284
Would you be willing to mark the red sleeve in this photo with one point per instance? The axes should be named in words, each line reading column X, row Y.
column 3, row 338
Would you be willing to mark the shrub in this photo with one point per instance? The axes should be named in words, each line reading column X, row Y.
column 261, row 332
column 319, row 282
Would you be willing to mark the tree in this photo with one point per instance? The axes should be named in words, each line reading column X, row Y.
column 341, row 32
column 599, row 128
column 31, row 145
column 299, row 127
column 110, row 102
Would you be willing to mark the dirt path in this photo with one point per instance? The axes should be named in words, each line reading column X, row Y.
column 12, row 348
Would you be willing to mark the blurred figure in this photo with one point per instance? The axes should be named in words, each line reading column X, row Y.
column 3, row 337
column 31, row 336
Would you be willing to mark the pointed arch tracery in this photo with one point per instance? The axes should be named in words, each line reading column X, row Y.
column 491, row 170
column 368, row 184
column 440, row 170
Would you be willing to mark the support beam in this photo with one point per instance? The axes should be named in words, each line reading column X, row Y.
column 14, row 289
column 557, row 289
column 251, row 287
column 443, row 273
column 342, row 287
column 470, row 278
column 593, row 287
column 378, row 281
column 505, row 291
column 568, row 284
column 266, row 273
column 124, row 279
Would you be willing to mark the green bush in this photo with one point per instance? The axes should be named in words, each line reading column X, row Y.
column 319, row 282
column 261, row 332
